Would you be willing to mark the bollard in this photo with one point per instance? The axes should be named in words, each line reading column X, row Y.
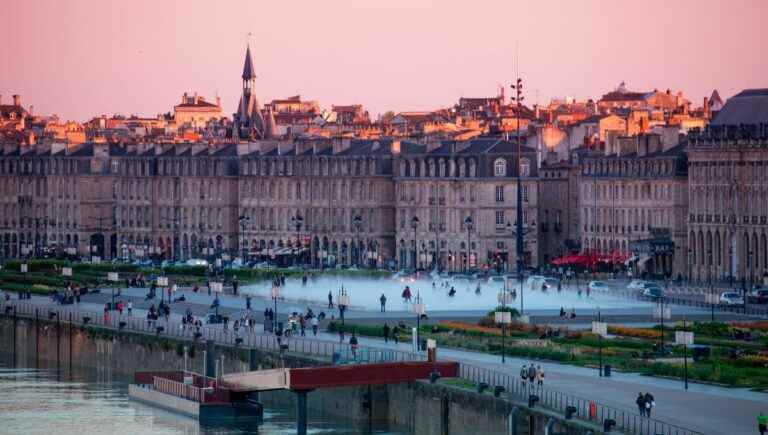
column 608, row 424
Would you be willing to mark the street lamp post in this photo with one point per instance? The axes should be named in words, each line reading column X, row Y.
column 244, row 220
column 711, row 288
column 297, row 221
column 415, row 225
column 468, row 223
column 357, row 221
column 275, row 292
column 420, row 309
column 342, row 300
column 518, row 88
column 504, row 317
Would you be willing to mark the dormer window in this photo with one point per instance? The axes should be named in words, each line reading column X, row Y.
column 525, row 168
column 500, row 168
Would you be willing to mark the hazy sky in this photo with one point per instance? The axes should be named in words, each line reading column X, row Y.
column 80, row 58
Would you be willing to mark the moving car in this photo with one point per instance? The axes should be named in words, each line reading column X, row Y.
column 731, row 298
column 637, row 284
column 653, row 291
column 597, row 286
column 758, row 297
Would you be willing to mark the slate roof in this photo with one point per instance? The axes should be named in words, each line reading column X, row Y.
column 248, row 71
column 749, row 106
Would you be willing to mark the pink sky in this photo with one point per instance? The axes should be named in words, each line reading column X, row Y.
column 81, row 58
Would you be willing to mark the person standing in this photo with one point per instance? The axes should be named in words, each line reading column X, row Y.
column 330, row 300
column 386, row 332
column 130, row 308
column 303, row 325
column 649, row 404
column 248, row 302
column 540, row 376
column 532, row 374
column 640, row 401
column 234, row 286
column 383, row 300
column 524, row 374
column 395, row 334
column 762, row 423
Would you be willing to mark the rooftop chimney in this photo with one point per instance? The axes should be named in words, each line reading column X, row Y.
column 17, row 100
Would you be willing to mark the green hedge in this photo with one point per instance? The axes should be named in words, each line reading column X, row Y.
column 348, row 328
column 35, row 265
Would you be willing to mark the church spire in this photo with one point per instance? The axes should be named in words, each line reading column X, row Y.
column 248, row 72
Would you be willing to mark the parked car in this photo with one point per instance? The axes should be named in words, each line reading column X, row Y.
column 597, row 286
column 731, row 298
column 534, row 281
column 550, row 284
column 637, row 284
column 653, row 292
column 758, row 297
column 197, row 262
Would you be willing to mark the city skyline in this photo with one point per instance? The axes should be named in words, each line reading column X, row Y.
column 417, row 57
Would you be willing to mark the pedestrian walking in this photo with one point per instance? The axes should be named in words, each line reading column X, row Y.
column 353, row 344
column 531, row 374
column 524, row 374
column 248, row 302
column 386, row 332
column 540, row 376
column 640, row 401
column 234, row 286
column 395, row 334
column 130, row 308
column 314, row 325
column 650, row 403
column 330, row 300
column 341, row 336
column 302, row 325
column 383, row 300
column 762, row 423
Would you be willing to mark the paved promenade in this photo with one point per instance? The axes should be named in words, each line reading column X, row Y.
column 708, row 409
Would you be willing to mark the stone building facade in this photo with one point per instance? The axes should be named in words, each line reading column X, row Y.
column 558, row 209
column 319, row 201
column 463, row 196
column 635, row 202
column 728, row 220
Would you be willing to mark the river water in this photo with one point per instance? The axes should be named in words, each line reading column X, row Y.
column 47, row 401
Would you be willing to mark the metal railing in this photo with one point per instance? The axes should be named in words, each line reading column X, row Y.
column 178, row 389
column 586, row 409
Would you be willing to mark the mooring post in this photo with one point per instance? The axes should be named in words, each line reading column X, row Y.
column 37, row 336
column 252, row 365
column 210, row 359
column 58, row 340
column 301, row 411
column 70, row 341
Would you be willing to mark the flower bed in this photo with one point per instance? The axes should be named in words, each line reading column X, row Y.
column 634, row 332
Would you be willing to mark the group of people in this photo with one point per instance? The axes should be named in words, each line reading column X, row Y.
column 391, row 332
column 645, row 403
column 532, row 375
column 567, row 316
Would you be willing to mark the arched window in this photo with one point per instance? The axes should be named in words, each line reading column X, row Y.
column 500, row 168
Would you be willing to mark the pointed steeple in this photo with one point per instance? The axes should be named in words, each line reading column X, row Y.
column 248, row 71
